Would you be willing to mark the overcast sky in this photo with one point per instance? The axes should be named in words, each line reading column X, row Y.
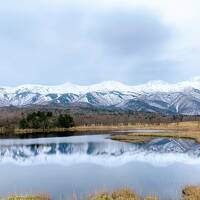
column 89, row 41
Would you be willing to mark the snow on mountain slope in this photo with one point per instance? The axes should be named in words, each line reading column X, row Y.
column 68, row 88
column 152, row 86
column 154, row 96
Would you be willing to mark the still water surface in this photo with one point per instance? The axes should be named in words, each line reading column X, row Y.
column 82, row 164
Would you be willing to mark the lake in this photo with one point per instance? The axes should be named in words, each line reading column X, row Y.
column 84, row 164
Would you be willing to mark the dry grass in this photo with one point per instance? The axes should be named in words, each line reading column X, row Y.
column 191, row 193
column 192, row 125
column 194, row 135
column 165, row 126
column 122, row 194
column 30, row 197
column 132, row 139
column 188, row 193
column 145, row 137
column 40, row 130
column 183, row 130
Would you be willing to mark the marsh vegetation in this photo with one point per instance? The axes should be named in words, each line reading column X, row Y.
column 188, row 193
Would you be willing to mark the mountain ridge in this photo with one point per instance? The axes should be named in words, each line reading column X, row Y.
column 154, row 85
column 154, row 96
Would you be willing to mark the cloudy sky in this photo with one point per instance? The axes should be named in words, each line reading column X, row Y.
column 89, row 41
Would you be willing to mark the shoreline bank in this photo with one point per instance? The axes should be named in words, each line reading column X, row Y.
column 184, row 130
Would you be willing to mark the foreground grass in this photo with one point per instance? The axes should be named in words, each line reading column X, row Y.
column 188, row 193
column 191, row 193
column 122, row 194
column 30, row 197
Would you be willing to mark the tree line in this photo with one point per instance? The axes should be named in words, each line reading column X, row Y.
column 46, row 120
column 12, row 117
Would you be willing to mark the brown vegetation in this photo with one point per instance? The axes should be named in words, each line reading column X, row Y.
column 188, row 193
column 121, row 194
column 191, row 193
column 185, row 130
column 86, row 119
column 132, row 139
column 30, row 197
column 182, row 130
column 10, row 116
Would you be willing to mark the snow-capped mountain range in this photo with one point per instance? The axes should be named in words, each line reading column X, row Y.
column 154, row 96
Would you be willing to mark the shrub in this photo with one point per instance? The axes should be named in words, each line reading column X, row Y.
column 23, row 124
column 65, row 121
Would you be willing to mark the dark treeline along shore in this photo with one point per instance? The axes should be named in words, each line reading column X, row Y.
column 50, row 117
column 45, row 120
column 10, row 116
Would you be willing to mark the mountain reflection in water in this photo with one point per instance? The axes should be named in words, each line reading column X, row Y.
column 98, row 150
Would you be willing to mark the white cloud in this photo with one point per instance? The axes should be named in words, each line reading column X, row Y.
column 86, row 41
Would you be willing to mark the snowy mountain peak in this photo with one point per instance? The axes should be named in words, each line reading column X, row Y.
column 109, row 86
column 154, row 96
column 152, row 86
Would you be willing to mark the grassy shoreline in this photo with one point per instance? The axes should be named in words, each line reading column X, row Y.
column 181, row 130
column 188, row 193
column 184, row 130
column 138, row 126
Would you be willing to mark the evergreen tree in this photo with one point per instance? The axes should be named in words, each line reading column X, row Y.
column 65, row 121
column 44, row 120
column 23, row 124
